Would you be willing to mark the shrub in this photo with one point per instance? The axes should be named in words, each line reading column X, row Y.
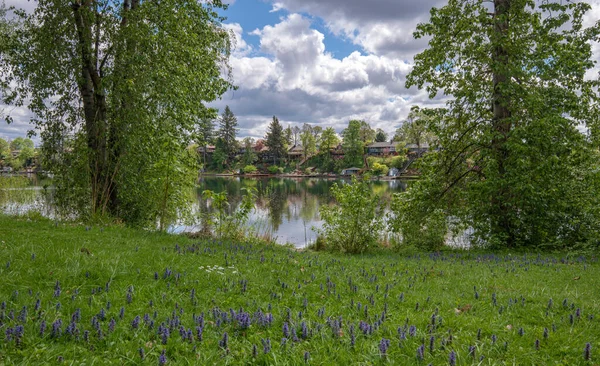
column 418, row 225
column 227, row 225
column 354, row 224
column 249, row 169
column 397, row 161
column 380, row 169
column 274, row 169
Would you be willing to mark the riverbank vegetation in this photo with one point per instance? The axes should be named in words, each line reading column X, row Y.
column 114, row 295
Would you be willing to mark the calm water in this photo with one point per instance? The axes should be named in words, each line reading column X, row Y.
column 286, row 208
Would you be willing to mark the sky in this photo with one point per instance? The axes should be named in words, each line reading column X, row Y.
column 322, row 62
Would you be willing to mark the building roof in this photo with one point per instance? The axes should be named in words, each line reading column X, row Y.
column 381, row 144
column 414, row 146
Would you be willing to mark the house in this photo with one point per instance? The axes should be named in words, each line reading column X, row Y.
column 337, row 153
column 209, row 149
column 296, row 152
column 350, row 171
column 381, row 148
column 418, row 150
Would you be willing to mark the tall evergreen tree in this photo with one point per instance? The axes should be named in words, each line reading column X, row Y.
column 227, row 133
column 275, row 141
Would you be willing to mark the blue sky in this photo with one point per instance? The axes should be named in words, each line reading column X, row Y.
column 255, row 14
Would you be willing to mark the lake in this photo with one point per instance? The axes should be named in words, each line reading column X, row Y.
column 287, row 209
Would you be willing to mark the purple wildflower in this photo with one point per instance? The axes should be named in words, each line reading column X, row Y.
column 199, row 331
column 421, row 352
column 537, row 344
column 224, row 341
column 136, row 322
column 42, row 328
column 472, row 351
column 254, row 351
column 383, row 346
column 307, row 356
column 587, row 352
column 266, row 345
column 412, row 331
column 452, row 359
column 165, row 335
column 286, row 330
column 142, row 353
column 162, row 360
column 431, row 344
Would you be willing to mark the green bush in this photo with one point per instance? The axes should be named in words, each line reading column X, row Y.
column 380, row 169
column 354, row 224
column 249, row 169
column 274, row 169
column 397, row 162
column 418, row 225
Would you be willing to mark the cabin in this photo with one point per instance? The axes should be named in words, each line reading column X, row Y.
column 381, row 149
column 350, row 171
column 295, row 153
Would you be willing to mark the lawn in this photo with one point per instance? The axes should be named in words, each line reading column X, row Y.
column 121, row 296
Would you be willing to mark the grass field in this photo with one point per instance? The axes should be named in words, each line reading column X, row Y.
column 82, row 295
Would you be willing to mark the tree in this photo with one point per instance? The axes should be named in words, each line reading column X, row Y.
column 20, row 143
column 329, row 140
column 367, row 134
column 275, row 140
column 249, row 156
column 381, row 136
column 512, row 165
column 227, row 133
column 307, row 137
column 316, row 131
column 289, row 136
column 129, row 79
column 352, row 144
column 205, row 133
column 296, row 132
column 415, row 130
column 4, row 149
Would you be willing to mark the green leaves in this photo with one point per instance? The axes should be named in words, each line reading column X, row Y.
column 512, row 160
column 128, row 79
column 354, row 223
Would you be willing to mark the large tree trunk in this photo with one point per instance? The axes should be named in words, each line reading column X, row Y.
column 94, row 104
column 501, row 124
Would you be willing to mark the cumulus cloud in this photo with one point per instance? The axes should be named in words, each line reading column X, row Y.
column 300, row 82
column 382, row 27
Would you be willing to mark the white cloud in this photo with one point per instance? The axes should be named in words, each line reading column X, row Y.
column 299, row 81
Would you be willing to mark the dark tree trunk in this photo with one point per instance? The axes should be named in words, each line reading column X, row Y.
column 501, row 123
column 94, row 104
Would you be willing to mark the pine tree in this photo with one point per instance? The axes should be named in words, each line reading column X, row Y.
column 227, row 133
column 275, row 140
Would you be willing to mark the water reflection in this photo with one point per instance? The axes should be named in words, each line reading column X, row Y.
column 286, row 208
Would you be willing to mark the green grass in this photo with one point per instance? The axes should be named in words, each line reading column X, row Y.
column 325, row 288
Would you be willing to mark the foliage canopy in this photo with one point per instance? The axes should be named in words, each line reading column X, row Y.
column 513, row 165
